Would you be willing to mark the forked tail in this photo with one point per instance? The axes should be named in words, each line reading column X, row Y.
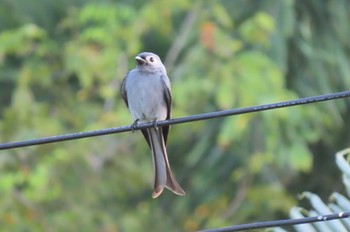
column 163, row 176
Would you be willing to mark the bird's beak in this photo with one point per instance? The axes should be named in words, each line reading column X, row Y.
column 140, row 60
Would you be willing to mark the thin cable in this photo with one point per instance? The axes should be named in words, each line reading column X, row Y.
column 80, row 135
column 286, row 222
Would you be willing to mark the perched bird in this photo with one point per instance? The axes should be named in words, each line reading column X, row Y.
column 147, row 93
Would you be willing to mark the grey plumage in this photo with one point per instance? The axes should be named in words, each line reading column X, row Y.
column 146, row 91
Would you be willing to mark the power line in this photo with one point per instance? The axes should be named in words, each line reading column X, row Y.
column 286, row 222
column 80, row 135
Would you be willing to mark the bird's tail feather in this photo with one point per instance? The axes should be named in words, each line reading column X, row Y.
column 163, row 176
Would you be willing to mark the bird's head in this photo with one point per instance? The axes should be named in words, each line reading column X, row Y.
column 149, row 62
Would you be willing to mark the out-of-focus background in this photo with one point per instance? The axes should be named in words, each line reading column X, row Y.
column 61, row 65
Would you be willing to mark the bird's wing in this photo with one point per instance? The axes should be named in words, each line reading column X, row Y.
column 124, row 95
column 168, row 102
column 123, row 92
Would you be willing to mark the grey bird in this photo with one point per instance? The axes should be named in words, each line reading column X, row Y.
column 147, row 93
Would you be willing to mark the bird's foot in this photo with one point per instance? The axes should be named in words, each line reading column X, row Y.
column 133, row 126
column 155, row 123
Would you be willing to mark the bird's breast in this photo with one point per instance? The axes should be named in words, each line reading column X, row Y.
column 146, row 97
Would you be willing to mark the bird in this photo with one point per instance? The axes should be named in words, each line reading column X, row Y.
column 146, row 91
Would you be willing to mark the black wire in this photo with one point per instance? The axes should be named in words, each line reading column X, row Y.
column 79, row 135
column 286, row 222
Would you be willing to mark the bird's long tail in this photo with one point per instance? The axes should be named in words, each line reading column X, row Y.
column 163, row 176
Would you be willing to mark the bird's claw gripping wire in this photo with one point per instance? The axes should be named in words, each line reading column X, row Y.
column 133, row 126
column 155, row 123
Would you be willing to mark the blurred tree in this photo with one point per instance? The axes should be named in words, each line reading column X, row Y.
column 61, row 67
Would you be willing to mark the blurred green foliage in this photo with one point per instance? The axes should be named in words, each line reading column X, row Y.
column 336, row 204
column 61, row 65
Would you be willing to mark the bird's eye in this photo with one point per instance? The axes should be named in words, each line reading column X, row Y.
column 151, row 59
